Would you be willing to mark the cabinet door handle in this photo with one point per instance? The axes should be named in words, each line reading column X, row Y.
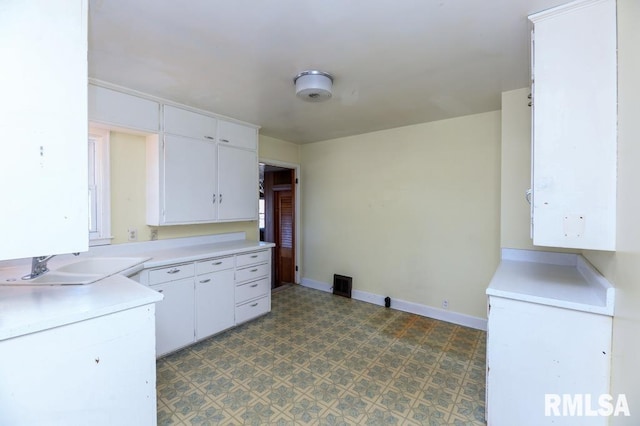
column 254, row 256
column 220, row 199
column 224, row 140
column 173, row 271
column 214, row 199
column 208, row 137
column 205, row 281
column 254, row 270
column 216, row 263
column 253, row 305
column 254, row 285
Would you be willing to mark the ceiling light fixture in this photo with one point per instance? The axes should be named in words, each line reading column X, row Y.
column 313, row 85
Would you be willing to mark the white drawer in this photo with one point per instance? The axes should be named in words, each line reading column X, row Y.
column 253, row 257
column 252, row 309
column 171, row 273
column 252, row 290
column 252, row 273
column 213, row 265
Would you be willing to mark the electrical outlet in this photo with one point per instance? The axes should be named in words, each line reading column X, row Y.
column 154, row 234
column 132, row 234
column 445, row 304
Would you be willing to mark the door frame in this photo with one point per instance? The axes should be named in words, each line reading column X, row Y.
column 296, row 167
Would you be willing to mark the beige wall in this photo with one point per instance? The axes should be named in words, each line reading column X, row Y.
column 128, row 197
column 623, row 266
column 411, row 213
column 277, row 149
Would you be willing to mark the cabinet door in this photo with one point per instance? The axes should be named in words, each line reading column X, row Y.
column 179, row 121
column 174, row 315
column 121, row 109
column 43, row 116
column 189, row 180
column 237, row 184
column 574, row 126
column 237, row 135
column 215, row 303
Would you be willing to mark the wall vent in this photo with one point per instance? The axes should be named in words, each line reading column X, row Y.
column 342, row 285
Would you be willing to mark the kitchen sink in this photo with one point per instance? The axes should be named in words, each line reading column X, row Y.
column 85, row 271
column 101, row 265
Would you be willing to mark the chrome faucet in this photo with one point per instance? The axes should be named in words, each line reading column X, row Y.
column 39, row 266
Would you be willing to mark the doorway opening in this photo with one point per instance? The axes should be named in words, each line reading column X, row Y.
column 278, row 220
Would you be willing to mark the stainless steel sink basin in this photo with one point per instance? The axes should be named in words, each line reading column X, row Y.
column 85, row 271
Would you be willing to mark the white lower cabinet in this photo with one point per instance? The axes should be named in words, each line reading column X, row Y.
column 205, row 297
column 253, row 285
column 214, row 303
column 174, row 328
column 537, row 354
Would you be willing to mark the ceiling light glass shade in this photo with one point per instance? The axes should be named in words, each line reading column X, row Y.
column 313, row 86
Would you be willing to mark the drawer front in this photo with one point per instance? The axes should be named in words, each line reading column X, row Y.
column 252, row 309
column 213, row 265
column 171, row 273
column 252, row 273
column 179, row 121
column 253, row 257
column 251, row 290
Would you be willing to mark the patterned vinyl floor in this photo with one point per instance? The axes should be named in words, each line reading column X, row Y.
column 320, row 359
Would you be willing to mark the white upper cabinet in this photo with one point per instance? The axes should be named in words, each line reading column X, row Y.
column 237, row 184
column 237, row 135
column 123, row 110
column 178, row 121
column 43, row 128
column 182, row 181
column 574, row 125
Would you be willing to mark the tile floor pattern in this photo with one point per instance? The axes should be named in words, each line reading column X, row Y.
column 320, row 359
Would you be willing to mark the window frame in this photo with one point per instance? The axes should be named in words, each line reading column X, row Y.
column 101, row 167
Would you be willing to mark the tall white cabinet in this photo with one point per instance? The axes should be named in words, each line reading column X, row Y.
column 43, row 127
column 574, row 125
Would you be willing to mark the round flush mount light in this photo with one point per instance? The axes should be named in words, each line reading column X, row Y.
column 313, row 85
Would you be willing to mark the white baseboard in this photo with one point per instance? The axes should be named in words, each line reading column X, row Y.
column 403, row 305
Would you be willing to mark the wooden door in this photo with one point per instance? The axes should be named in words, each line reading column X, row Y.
column 284, row 227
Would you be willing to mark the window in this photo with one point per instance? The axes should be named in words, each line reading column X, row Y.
column 99, row 194
column 261, row 212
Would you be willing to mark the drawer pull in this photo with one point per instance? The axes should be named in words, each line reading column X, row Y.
column 206, row 281
column 208, row 137
column 173, row 271
column 224, row 140
column 254, row 256
column 160, row 291
column 254, row 285
column 253, row 305
column 216, row 263
column 254, row 270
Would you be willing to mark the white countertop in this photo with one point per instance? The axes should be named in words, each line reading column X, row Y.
column 27, row 309
column 562, row 280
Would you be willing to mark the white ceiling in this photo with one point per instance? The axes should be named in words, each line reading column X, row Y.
column 395, row 62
